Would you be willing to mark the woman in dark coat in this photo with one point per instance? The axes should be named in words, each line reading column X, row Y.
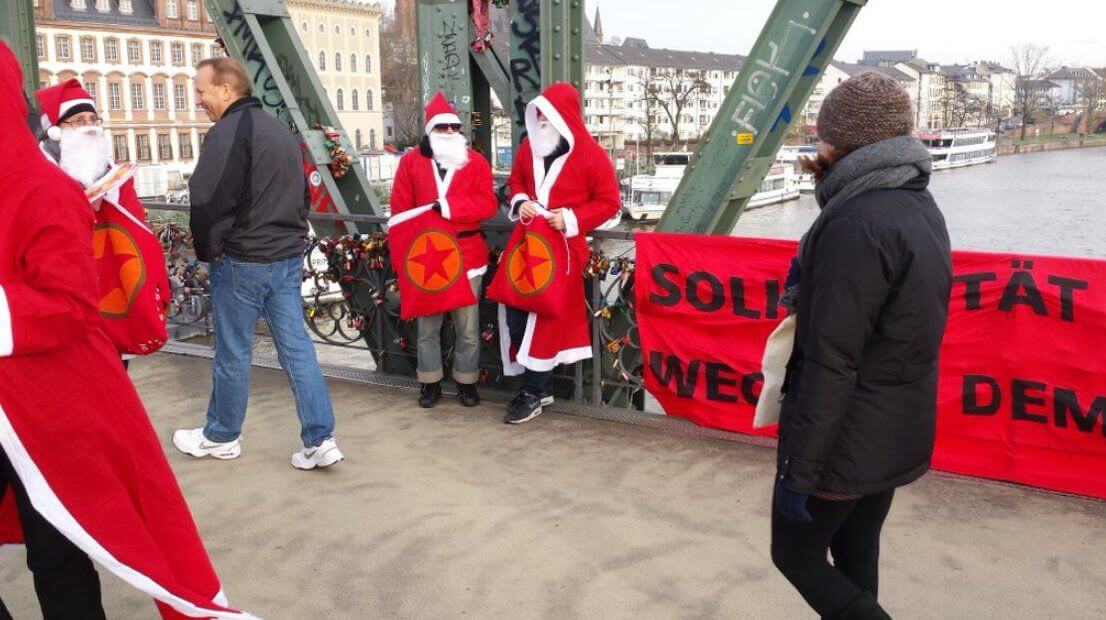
column 873, row 279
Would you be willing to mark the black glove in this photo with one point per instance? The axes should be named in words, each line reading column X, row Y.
column 791, row 504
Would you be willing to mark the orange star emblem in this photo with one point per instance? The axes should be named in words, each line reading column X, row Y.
column 114, row 240
column 433, row 261
column 530, row 265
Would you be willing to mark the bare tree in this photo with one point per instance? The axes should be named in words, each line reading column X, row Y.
column 399, row 70
column 1028, row 63
column 648, row 120
column 960, row 107
column 673, row 91
column 1093, row 93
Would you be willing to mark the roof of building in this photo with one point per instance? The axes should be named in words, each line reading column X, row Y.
column 598, row 26
column 636, row 42
column 1041, row 84
column 874, row 57
column 856, row 69
column 142, row 13
column 1072, row 73
column 630, row 53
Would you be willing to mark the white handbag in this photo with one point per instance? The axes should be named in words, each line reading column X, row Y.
column 777, row 352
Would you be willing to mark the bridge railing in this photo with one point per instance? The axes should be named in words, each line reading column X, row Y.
column 351, row 299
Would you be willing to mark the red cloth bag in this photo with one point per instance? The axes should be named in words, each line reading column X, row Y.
column 429, row 265
column 134, row 284
column 533, row 270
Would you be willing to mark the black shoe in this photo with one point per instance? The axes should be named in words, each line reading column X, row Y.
column 523, row 408
column 430, row 394
column 468, row 394
column 547, row 399
column 863, row 607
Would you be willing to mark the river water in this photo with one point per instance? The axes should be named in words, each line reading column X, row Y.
column 1040, row 203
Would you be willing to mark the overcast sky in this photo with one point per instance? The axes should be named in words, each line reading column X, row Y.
column 944, row 31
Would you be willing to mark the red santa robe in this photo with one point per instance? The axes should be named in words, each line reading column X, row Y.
column 71, row 423
column 466, row 196
column 583, row 183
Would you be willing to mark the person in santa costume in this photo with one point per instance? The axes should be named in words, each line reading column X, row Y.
column 561, row 173
column 82, row 474
column 74, row 139
column 454, row 180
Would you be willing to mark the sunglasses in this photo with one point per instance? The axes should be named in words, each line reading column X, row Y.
column 452, row 126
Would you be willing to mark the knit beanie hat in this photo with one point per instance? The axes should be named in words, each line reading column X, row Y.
column 866, row 108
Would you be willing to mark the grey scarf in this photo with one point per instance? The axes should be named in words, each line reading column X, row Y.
column 886, row 164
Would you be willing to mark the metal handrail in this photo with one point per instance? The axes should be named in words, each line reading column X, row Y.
column 493, row 226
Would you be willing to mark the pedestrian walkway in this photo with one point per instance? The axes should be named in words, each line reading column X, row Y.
column 449, row 513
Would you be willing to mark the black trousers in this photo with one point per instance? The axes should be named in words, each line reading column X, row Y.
column 849, row 530
column 65, row 581
column 536, row 383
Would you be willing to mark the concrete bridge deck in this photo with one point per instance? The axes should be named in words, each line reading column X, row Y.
column 449, row 513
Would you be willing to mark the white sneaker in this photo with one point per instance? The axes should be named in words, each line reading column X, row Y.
column 322, row 455
column 192, row 441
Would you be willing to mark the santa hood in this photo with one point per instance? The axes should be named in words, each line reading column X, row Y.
column 439, row 112
column 16, row 135
column 60, row 101
column 560, row 103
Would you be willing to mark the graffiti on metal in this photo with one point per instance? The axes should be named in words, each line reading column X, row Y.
column 526, row 67
column 763, row 85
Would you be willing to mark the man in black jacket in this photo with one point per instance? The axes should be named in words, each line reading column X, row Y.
column 874, row 274
column 249, row 222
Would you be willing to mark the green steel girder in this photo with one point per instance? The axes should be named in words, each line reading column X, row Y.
column 443, row 37
column 525, row 63
column 782, row 69
column 17, row 29
column 260, row 35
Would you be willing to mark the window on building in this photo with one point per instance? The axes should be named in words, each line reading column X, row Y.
column 138, row 94
column 142, row 145
column 184, row 139
column 357, row 139
column 197, row 53
column 368, row 33
column 111, row 50
column 62, row 47
column 77, row 5
column 92, row 88
column 353, row 100
column 322, row 61
column 303, row 26
column 159, row 96
column 368, row 63
column 134, row 52
column 103, row 6
column 369, row 99
column 155, row 52
column 40, row 47
column 201, row 136
column 177, row 50
column 120, row 150
column 164, row 147
column 372, row 139
column 340, row 100
column 353, row 63
column 115, row 96
column 322, row 28
column 88, row 49
column 337, row 61
column 193, row 10
column 352, row 31
column 171, row 10
column 337, row 30
column 180, row 100
column 126, row 7
column 217, row 51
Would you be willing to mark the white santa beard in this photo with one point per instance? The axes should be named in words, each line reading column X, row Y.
column 451, row 151
column 545, row 139
column 85, row 155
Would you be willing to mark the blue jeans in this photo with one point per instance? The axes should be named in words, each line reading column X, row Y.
column 534, row 382
column 242, row 292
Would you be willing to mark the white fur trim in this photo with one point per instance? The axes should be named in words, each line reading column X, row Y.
column 479, row 271
column 409, row 214
column 50, row 507
column 442, row 185
column 543, row 181
column 572, row 225
column 7, row 342
column 514, row 204
column 441, row 119
column 44, row 122
column 72, row 103
column 510, row 369
column 611, row 223
column 567, row 356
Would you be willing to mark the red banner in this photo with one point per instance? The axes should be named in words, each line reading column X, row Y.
column 1022, row 393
